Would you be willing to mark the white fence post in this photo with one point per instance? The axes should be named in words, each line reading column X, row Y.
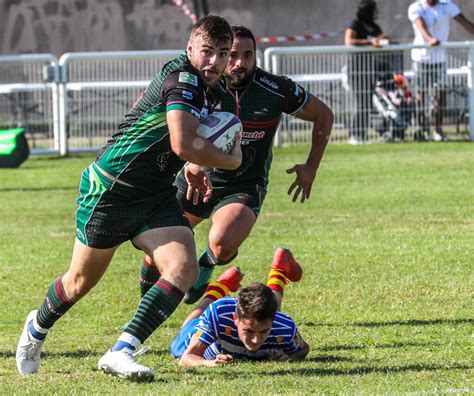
column 63, row 106
column 56, row 104
column 470, row 81
column 275, row 69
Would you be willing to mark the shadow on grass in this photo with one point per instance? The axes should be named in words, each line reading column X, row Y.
column 381, row 346
column 76, row 354
column 355, row 370
column 36, row 189
column 368, row 370
column 413, row 322
column 328, row 359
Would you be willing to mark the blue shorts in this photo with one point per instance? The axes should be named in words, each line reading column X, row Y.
column 181, row 342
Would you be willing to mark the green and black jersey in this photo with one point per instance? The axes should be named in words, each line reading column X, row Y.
column 259, row 106
column 140, row 153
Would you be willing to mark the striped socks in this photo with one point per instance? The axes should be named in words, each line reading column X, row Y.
column 149, row 275
column 277, row 281
column 55, row 305
column 216, row 290
column 155, row 307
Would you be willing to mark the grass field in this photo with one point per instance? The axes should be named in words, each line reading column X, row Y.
column 386, row 300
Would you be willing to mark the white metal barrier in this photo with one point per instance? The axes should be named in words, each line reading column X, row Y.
column 75, row 104
column 324, row 71
column 97, row 89
column 29, row 99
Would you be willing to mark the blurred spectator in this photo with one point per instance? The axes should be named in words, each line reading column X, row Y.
column 431, row 20
column 361, row 66
column 393, row 104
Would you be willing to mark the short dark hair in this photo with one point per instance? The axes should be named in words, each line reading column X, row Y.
column 243, row 32
column 214, row 28
column 258, row 302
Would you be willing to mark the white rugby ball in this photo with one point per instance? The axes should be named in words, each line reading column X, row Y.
column 220, row 129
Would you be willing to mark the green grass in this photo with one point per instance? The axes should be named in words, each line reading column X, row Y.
column 386, row 300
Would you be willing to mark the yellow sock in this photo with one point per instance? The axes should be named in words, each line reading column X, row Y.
column 277, row 281
column 216, row 290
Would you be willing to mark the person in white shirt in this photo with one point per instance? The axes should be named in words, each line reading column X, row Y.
column 431, row 20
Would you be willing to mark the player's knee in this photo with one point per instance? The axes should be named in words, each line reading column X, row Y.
column 181, row 273
column 223, row 252
column 77, row 287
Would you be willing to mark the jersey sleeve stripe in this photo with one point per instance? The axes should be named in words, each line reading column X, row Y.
column 303, row 105
column 182, row 106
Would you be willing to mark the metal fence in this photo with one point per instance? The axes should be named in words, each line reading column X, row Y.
column 96, row 91
column 369, row 104
column 29, row 98
column 76, row 103
column 98, row 88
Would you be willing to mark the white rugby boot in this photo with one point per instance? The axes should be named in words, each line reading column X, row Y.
column 122, row 364
column 28, row 351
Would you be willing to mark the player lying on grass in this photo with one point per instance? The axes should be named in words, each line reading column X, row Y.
column 223, row 328
column 259, row 99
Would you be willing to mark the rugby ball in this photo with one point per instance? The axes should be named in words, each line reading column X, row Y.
column 220, row 129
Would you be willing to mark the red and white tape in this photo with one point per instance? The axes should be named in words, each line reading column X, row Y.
column 307, row 37
column 278, row 39
column 304, row 37
column 185, row 9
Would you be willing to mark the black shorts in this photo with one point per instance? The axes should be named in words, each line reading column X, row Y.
column 251, row 195
column 106, row 218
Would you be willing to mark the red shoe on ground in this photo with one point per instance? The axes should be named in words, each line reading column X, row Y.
column 231, row 278
column 284, row 261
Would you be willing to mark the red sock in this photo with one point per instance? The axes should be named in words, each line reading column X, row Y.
column 216, row 290
column 277, row 281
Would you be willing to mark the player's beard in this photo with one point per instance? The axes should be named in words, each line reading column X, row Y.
column 237, row 82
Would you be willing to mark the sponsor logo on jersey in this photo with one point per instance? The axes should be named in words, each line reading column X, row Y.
column 261, row 112
column 187, row 94
column 188, row 78
column 257, row 135
column 268, row 82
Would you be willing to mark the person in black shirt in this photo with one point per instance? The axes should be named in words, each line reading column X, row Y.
column 361, row 66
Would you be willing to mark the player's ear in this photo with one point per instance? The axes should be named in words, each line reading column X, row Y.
column 189, row 47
